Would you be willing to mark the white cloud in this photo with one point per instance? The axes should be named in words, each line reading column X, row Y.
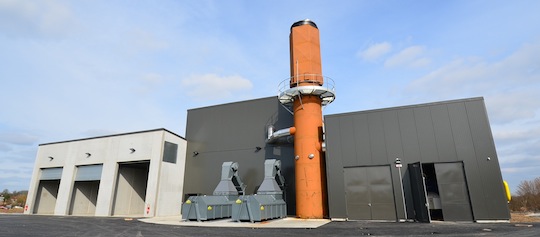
column 34, row 18
column 146, row 40
column 152, row 78
column 375, row 51
column 98, row 132
column 509, row 85
column 506, row 106
column 516, row 134
column 412, row 56
column 460, row 73
column 149, row 82
column 518, row 170
column 15, row 175
column 212, row 86
column 5, row 147
column 18, row 138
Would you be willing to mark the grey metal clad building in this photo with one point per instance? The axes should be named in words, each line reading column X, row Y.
column 236, row 132
column 448, row 157
column 450, row 169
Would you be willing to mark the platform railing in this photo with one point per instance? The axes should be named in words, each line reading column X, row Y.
column 306, row 80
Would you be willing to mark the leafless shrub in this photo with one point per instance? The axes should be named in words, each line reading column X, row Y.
column 528, row 196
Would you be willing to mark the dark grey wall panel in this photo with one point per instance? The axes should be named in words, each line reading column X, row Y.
column 392, row 136
column 443, row 133
column 411, row 153
column 465, row 152
column 394, row 149
column 334, row 170
column 489, row 170
column 231, row 132
column 409, row 136
column 363, row 143
column 348, row 146
column 426, row 135
column 377, row 141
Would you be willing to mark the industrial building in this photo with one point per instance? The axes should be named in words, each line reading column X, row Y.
column 446, row 151
column 131, row 174
column 434, row 161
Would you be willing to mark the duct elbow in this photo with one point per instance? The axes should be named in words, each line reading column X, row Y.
column 273, row 135
column 292, row 130
column 270, row 132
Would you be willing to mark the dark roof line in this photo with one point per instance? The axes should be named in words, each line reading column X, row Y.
column 234, row 102
column 114, row 135
column 408, row 106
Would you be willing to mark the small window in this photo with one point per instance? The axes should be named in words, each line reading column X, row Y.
column 169, row 152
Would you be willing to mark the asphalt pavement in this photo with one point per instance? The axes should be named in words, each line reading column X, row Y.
column 38, row 225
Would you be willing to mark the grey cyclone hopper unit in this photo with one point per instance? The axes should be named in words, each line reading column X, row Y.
column 268, row 203
column 219, row 205
column 230, row 184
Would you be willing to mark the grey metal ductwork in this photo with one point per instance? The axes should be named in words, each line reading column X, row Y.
column 274, row 135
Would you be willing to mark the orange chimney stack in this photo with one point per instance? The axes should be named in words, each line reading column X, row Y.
column 305, row 50
column 307, row 93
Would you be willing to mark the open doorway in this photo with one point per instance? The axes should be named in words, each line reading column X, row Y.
column 130, row 193
column 432, row 192
column 47, row 193
column 440, row 192
column 84, row 198
column 85, row 190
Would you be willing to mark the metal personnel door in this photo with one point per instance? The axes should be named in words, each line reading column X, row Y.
column 369, row 193
column 453, row 190
column 418, row 188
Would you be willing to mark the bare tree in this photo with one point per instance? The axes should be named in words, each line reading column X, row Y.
column 528, row 196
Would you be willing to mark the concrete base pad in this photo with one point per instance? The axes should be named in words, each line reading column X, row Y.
column 289, row 222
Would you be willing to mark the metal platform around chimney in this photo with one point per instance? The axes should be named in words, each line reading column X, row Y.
column 287, row 94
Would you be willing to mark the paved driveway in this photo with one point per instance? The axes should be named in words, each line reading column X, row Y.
column 34, row 225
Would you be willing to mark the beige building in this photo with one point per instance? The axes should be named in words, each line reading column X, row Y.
column 130, row 174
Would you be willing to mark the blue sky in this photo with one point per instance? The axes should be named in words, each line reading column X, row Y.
column 75, row 69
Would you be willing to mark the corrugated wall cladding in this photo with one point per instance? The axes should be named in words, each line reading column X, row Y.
column 231, row 132
column 450, row 131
